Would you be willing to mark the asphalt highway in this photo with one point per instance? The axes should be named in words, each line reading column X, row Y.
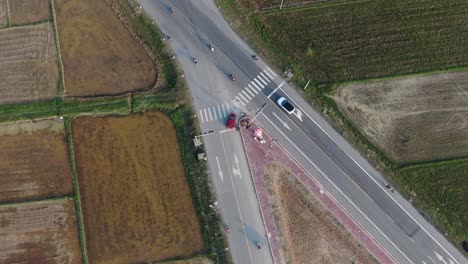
column 313, row 143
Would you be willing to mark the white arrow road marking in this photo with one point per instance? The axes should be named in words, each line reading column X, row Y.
column 284, row 123
column 219, row 169
column 236, row 169
column 298, row 113
column 440, row 257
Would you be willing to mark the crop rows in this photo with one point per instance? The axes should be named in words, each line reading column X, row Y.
column 28, row 68
column 348, row 41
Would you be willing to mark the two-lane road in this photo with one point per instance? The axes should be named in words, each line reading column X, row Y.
column 343, row 172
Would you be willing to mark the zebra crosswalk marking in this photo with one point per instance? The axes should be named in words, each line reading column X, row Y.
column 251, row 88
column 219, row 111
column 239, row 100
column 243, row 98
column 250, row 92
column 209, row 112
column 263, row 75
column 201, row 116
column 214, row 112
column 256, row 86
column 259, row 83
column 246, row 95
column 261, row 79
column 272, row 72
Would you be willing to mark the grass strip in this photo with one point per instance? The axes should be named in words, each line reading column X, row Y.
column 428, row 184
column 198, row 180
column 76, row 191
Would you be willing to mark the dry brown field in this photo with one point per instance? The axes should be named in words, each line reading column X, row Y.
column 3, row 13
column 413, row 118
column 28, row 11
column 200, row 260
column 309, row 232
column 34, row 161
column 99, row 54
column 29, row 70
column 135, row 197
column 39, row 233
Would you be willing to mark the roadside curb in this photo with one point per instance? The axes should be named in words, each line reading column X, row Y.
column 255, row 188
column 266, row 154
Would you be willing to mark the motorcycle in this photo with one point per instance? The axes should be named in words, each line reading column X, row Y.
column 232, row 77
column 226, row 228
column 172, row 11
column 195, row 61
column 258, row 246
column 255, row 57
column 211, row 48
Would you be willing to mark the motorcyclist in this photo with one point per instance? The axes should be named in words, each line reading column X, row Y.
column 172, row 11
column 258, row 246
column 211, row 47
column 226, row 227
column 195, row 61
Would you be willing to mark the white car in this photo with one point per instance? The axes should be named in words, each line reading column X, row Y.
column 285, row 105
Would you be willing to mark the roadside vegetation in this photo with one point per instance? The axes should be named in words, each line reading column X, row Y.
column 331, row 43
column 168, row 97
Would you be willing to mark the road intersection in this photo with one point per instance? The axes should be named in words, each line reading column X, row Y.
column 305, row 135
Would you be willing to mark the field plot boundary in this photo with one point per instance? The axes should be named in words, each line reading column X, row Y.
column 61, row 83
column 8, row 14
column 32, row 201
column 76, row 193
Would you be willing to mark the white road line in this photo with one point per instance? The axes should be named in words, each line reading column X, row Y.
column 224, row 110
column 336, row 187
column 259, row 83
column 246, row 95
column 237, row 203
column 239, row 100
column 206, row 115
column 272, row 72
column 256, row 86
column 269, row 75
column 261, row 79
column 266, row 78
column 219, row 111
column 379, row 185
column 201, row 117
column 250, row 92
column 214, row 112
column 274, row 91
column 243, row 98
column 209, row 112
column 251, row 88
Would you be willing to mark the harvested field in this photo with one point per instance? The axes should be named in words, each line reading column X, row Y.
column 199, row 260
column 360, row 40
column 100, row 56
column 40, row 233
column 29, row 69
column 3, row 13
column 269, row 4
column 136, row 200
column 29, row 11
column 439, row 188
column 414, row 118
column 34, row 161
column 309, row 233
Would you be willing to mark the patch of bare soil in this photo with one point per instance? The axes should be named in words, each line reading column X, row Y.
column 39, row 233
column 28, row 70
column 412, row 118
column 136, row 199
column 309, row 232
column 28, row 11
column 34, row 160
column 100, row 56
column 200, row 260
